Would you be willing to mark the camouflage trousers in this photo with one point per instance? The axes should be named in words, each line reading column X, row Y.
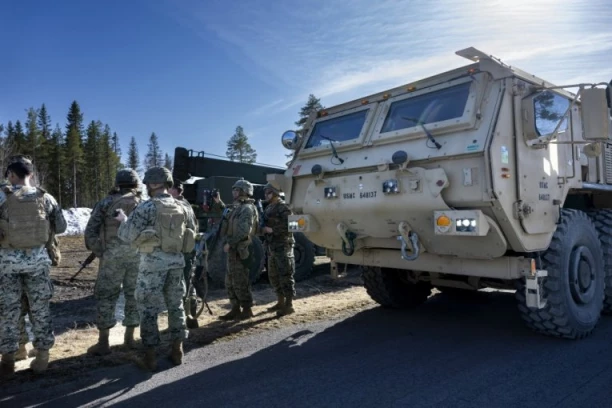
column 237, row 282
column 281, row 268
column 114, row 275
column 153, row 290
column 38, row 288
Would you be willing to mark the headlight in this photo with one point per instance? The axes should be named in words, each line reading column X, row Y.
column 460, row 222
column 302, row 223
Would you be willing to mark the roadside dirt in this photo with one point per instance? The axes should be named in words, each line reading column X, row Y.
column 73, row 310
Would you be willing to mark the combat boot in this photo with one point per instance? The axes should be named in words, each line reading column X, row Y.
column 234, row 313
column 7, row 366
column 102, row 347
column 279, row 304
column 287, row 308
column 150, row 360
column 246, row 313
column 40, row 363
column 176, row 355
column 22, row 353
column 128, row 337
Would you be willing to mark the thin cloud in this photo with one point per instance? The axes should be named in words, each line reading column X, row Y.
column 265, row 108
column 339, row 50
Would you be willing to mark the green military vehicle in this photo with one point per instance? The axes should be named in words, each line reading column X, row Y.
column 481, row 176
column 203, row 176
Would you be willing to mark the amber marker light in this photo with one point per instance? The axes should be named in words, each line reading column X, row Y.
column 443, row 221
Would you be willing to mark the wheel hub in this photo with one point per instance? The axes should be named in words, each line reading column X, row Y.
column 582, row 275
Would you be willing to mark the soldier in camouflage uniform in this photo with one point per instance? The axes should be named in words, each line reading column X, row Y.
column 27, row 216
column 177, row 192
column 118, row 267
column 281, row 262
column 163, row 231
column 237, row 233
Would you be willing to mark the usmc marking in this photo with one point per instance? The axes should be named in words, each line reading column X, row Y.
column 348, row 196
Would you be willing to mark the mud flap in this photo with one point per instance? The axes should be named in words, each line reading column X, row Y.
column 533, row 289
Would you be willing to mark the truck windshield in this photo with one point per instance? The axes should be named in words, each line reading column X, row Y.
column 448, row 103
column 340, row 129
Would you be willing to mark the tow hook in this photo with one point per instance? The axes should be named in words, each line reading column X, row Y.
column 407, row 235
column 348, row 239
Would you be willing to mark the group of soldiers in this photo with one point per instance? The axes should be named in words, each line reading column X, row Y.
column 146, row 250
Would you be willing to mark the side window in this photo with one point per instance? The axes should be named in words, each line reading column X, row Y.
column 549, row 109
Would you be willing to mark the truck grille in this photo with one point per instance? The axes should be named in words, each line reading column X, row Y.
column 607, row 156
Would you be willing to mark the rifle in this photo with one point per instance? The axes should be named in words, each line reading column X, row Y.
column 85, row 264
column 196, row 279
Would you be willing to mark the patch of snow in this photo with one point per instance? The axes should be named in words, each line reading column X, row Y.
column 76, row 218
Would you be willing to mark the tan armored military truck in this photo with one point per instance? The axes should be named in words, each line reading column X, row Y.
column 482, row 176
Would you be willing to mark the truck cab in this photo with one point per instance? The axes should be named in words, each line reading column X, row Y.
column 476, row 177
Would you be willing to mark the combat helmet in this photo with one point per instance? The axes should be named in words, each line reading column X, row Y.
column 245, row 186
column 273, row 188
column 158, row 175
column 127, row 177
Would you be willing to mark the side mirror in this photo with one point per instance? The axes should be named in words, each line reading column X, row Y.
column 290, row 139
column 595, row 114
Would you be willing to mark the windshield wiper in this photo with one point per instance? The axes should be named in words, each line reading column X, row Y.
column 429, row 135
column 331, row 143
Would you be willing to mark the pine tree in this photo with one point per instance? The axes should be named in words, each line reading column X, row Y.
column 115, row 145
column 44, row 122
column 133, row 160
column 56, row 162
column 312, row 105
column 154, row 157
column 32, row 136
column 74, row 151
column 108, row 166
column 92, row 172
column 44, row 154
column 18, row 138
column 168, row 162
column 238, row 148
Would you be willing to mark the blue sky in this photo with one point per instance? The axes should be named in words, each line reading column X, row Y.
column 194, row 70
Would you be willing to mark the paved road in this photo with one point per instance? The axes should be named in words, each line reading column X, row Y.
column 448, row 353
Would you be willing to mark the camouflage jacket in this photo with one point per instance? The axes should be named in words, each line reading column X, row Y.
column 241, row 223
column 19, row 260
column 143, row 217
column 95, row 224
column 276, row 215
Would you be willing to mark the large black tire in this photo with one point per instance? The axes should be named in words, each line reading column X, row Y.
column 217, row 263
column 603, row 222
column 390, row 288
column 304, row 253
column 574, row 288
